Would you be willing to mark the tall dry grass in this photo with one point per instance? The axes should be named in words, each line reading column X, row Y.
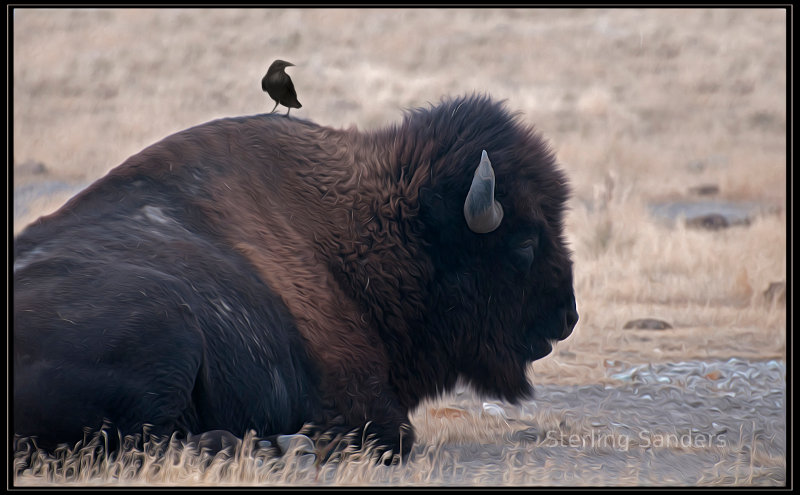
column 462, row 444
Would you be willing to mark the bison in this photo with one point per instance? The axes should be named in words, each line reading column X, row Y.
column 262, row 273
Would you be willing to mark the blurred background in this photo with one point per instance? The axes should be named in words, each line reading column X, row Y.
column 671, row 124
column 652, row 93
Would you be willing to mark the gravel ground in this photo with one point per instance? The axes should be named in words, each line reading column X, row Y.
column 689, row 423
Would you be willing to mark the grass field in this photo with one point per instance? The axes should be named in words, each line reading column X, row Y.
column 640, row 105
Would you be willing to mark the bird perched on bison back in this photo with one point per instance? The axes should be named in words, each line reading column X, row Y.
column 278, row 85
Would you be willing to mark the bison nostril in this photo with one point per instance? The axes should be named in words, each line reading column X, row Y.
column 570, row 319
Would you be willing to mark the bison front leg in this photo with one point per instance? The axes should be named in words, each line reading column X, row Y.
column 390, row 438
column 391, row 432
column 349, row 358
column 364, row 414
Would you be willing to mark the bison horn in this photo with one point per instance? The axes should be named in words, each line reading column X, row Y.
column 482, row 212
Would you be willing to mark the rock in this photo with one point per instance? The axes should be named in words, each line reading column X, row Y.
column 31, row 167
column 647, row 324
column 712, row 221
column 715, row 221
column 775, row 292
column 704, row 190
column 707, row 214
column 567, row 354
column 526, row 436
column 215, row 442
column 494, row 410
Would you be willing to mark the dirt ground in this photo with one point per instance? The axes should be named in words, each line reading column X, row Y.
column 642, row 106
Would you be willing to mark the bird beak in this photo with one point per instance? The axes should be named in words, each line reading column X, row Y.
column 289, row 64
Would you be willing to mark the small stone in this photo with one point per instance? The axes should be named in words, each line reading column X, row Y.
column 712, row 221
column 527, row 435
column 775, row 291
column 647, row 324
column 705, row 190
column 494, row 410
column 31, row 167
column 215, row 441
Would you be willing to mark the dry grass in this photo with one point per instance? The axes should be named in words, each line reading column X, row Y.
column 460, row 445
column 640, row 106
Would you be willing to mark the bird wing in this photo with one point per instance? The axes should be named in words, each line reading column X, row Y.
column 290, row 88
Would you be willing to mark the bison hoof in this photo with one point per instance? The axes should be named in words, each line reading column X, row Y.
column 299, row 444
column 215, row 442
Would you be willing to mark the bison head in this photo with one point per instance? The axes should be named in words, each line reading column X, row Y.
column 493, row 224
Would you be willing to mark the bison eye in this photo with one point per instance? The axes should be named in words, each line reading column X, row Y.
column 524, row 254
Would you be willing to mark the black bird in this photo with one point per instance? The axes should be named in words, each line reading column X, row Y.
column 278, row 85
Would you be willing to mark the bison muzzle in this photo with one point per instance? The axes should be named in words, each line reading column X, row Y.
column 262, row 273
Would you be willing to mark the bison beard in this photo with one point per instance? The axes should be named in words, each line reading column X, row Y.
column 264, row 273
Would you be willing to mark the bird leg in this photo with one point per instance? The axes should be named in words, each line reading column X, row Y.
column 273, row 108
